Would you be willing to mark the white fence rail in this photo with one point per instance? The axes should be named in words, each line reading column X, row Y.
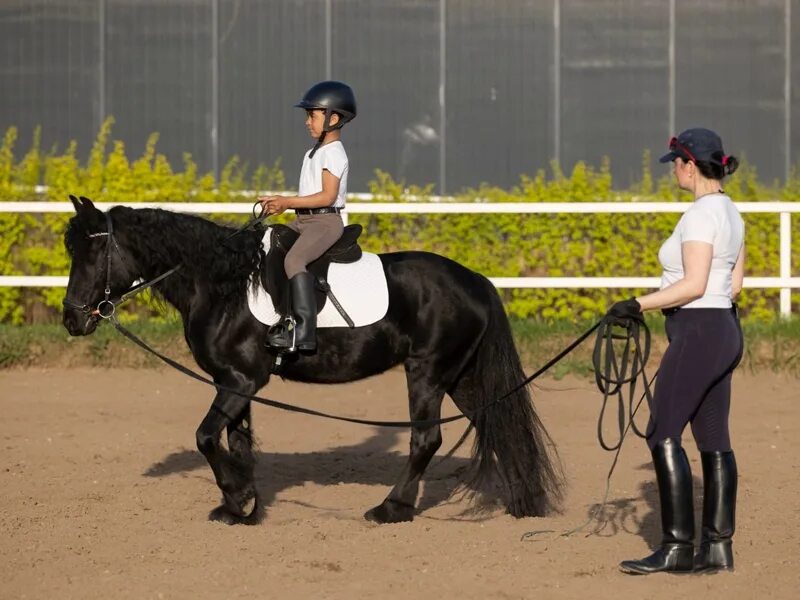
column 785, row 282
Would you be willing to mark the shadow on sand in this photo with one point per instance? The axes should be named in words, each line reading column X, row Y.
column 622, row 514
column 371, row 462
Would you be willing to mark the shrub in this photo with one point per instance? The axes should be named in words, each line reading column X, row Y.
column 510, row 245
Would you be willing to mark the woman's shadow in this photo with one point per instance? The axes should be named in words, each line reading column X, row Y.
column 371, row 462
column 623, row 514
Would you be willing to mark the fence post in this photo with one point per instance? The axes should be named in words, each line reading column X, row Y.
column 786, row 262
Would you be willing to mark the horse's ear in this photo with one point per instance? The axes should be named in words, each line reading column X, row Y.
column 83, row 206
column 86, row 211
column 87, row 204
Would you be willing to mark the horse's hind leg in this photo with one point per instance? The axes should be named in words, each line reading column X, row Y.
column 233, row 470
column 425, row 402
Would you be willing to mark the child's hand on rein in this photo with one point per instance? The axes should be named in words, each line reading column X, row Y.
column 274, row 205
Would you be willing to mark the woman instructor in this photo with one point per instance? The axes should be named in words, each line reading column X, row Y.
column 703, row 269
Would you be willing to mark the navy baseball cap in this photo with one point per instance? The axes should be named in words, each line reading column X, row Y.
column 696, row 144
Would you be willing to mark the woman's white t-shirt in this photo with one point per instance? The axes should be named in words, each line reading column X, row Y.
column 331, row 157
column 713, row 219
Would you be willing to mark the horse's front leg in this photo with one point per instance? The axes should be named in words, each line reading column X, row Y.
column 240, row 445
column 233, row 468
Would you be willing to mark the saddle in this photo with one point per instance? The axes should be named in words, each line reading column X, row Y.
column 273, row 277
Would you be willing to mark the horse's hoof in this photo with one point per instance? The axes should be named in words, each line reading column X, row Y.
column 242, row 503
column 390, row 512
column 245, row 511
column 221, row 514
column 249, row 507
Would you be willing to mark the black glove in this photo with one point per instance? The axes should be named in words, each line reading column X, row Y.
column 626, row 309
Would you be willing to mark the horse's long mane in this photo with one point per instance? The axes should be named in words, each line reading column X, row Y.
column 205, row 249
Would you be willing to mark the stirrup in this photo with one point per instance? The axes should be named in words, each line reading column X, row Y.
column 283, row 335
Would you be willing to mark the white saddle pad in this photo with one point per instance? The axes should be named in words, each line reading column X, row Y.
column 360, row 288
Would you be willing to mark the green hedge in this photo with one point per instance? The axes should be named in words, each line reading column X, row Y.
column 509, row 245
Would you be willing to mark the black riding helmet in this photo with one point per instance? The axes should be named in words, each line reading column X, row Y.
column 332, row 97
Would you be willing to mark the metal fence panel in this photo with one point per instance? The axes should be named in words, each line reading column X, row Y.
column 389, row 53
column 49, row 70
column 615, row 77
column 730, row 76
column 499, row 91
column 794, row 83
column 157, row 75
column 270, row 53
column 521, row 81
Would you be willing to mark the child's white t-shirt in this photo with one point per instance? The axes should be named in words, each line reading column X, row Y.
column 331, row 157
column 713, row 219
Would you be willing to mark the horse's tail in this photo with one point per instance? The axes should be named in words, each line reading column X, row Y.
column 510, row 437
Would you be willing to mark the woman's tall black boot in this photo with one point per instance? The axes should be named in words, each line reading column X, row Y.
column 719, row 512
column 676, row 553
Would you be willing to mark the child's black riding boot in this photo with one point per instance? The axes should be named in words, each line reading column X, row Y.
column 674, row 475
column 719, row 512
column 303, row 335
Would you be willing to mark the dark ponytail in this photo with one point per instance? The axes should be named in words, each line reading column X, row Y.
column 719, row 166
column 731, row 163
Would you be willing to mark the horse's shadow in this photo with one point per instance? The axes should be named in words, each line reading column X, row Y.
column 622, row 514
column 371, row 462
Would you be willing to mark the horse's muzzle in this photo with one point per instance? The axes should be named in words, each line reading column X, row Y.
column 78, row 322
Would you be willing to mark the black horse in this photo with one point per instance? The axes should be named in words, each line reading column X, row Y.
column 445, row 324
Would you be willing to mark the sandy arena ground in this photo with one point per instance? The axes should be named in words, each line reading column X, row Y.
column 105, row 496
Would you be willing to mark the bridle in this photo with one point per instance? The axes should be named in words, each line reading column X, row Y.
column 107, row 307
